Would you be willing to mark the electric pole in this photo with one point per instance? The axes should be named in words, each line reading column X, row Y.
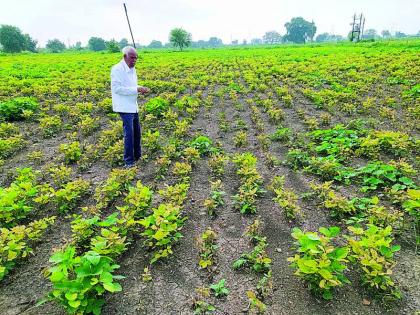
column 357, row 28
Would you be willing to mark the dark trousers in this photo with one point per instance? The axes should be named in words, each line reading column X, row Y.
column 132, row 137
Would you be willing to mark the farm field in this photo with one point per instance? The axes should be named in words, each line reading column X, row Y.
column 273, row 180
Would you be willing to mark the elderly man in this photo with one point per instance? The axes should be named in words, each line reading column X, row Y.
column 124, row 90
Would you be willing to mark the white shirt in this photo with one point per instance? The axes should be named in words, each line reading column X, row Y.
column 124, row 88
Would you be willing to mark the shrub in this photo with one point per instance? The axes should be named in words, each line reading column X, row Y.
column 318, row 262
column 11, row 145
column 203, row 144
column 240, row 139
column 216, row 197
column 114, row 154
column 16, row 201
column 285, row 198
column 72, row 152
column 373, row 250
column 281, row 135
column 14, row 109
column 60, row 174
column 72, row 192
column 217, row 163
column 251, row 183
column 208, row 246
column 151, row 140
column 8, row 130
column 79, row 281
column 257, row 259
column 116, row 183
column 162, row 229
column 219, row 288
column 15, row 242
column 156, row 106
column 50, row 125
column 87, row 125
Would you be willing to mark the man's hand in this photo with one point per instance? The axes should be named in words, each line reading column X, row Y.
column 143, row 90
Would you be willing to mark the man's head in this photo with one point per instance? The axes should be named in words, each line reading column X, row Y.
column 130, row 56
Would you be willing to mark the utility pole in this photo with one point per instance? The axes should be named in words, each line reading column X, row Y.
column 363, row 25
column 357, row 29
column 129, row 26
column 352, row 28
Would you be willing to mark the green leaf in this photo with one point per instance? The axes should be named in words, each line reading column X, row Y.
column 56, row 276
column 414, row 194
column 307, row 266
column 313, row 236
column 327, row 295
column 110, row 220
column 325, row 231
column 239, row 263
column 325, row 274
column 334, row 231
column 160, row 234
column 71, row 296
column 204, row 263
column 406, row 181
column 375, row 200
column 57, row 258
column 341, row 253
column 106, row 277
column 93, row 257
column 112, row 287
column 395, row 248
column 74, row 304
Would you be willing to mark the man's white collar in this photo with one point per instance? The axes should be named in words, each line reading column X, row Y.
column 126, row 68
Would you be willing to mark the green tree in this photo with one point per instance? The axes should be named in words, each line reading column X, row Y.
column 272, row 37
column 335, row 38
column 256, row 41
column 215, row 42
column 386, row 34
column 113, row 46
column 179, row 37
column 123, row 43
column 155, row 44
column 96, row 44
column 327, row 37
column 12, row 39
column 30, row 43
column 55, row 45
column 399, row 34
column 78, row 46
column 322, row 37
column 370, row 34
column 299, row 30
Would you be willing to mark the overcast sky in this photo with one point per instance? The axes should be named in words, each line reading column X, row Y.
column 78, row 20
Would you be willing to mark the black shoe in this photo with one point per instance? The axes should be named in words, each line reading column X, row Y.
column 129, row 165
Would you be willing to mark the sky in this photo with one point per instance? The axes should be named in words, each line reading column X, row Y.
column 78, row 20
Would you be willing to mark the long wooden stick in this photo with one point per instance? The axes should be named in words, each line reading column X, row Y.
column 129, row 26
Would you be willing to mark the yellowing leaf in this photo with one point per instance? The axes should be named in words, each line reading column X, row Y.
column 71, row 296
column 74, row 304
column 160, row 234
column 325, row 274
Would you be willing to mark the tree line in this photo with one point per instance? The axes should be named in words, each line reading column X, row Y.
column 298, row 31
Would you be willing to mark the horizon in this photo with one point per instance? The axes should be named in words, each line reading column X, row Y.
column 80, row 21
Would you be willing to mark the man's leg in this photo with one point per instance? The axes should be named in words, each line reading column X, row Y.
column 137, row 137
column 127, row 119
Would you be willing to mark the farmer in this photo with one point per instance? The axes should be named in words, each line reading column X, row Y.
column 124, row 90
